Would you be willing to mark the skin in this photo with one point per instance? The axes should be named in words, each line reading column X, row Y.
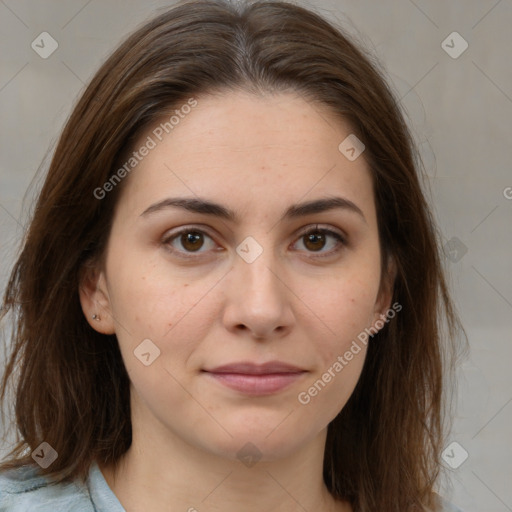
column 256, row 155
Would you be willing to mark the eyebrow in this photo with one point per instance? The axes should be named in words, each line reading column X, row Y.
column 204, row 206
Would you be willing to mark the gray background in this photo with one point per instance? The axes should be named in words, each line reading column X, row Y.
column 458, row 108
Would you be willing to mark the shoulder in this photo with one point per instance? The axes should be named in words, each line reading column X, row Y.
column 25, row 488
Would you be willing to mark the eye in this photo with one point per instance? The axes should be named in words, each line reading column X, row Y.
column 187, row 241
column 316, row 239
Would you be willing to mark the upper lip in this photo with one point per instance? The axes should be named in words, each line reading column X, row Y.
column 249, row 368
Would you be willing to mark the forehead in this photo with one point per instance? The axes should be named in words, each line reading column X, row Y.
column 237, row 147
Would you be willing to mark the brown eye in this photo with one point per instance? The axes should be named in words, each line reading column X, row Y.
column 192, row 240
column 314, row 241
column 317, row 239
column 189, row 243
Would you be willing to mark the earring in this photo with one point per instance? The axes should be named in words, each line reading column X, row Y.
column 95, row 317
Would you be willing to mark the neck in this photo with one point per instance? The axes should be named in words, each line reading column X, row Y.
column 163, row 472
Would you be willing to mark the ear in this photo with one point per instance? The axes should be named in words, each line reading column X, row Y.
column 385, row 295
column 95, row 299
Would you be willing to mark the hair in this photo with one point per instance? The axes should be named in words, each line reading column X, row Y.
column 72, row 390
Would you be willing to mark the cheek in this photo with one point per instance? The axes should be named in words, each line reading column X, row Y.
column 162, row 311
column 168, row 308
column 342, row 308
column 340, row 345
column 145, row 295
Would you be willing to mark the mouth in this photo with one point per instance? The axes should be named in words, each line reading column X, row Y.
column 254, row 379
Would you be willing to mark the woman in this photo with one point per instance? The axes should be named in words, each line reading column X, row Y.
column 230, row 293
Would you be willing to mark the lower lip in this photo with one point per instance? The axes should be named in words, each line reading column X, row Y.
column 257, row 384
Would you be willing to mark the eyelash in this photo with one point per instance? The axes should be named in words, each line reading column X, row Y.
column 191, row 256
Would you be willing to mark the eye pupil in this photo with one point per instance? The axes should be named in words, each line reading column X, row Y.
column 189, row 240
column 314, row 238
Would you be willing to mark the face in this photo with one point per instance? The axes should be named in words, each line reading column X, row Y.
column 254, row 280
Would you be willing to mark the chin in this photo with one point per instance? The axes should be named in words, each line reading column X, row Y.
column 263, row 442
column 250, row 450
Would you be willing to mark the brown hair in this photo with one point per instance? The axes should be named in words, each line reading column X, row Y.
column 383, row 448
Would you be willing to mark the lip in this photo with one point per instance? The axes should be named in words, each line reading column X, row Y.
column 250, row 368
column 256, row 379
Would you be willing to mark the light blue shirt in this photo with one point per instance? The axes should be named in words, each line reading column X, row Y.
column 24, row 489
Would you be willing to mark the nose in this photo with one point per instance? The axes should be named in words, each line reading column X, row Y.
column 258, row 299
